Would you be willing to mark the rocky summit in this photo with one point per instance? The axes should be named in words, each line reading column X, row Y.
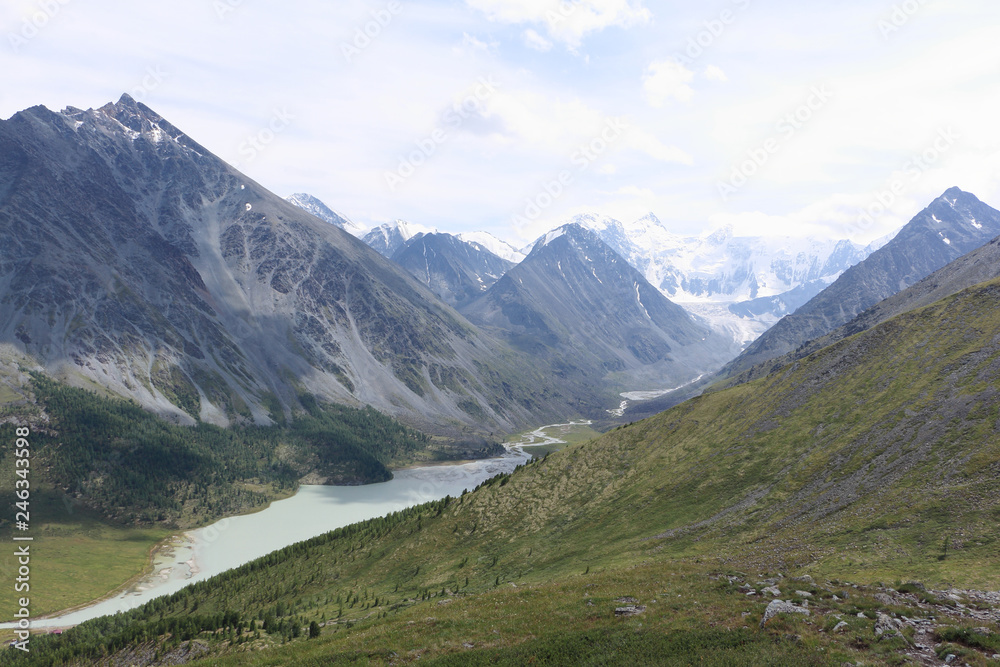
column 577, row 303
column 135, row 259
column 954, row 224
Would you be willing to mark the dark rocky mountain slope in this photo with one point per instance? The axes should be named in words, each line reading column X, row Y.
column 455, row 270
column 133, row 259
column 954, row 224
column 980, row 265
column 579, row 305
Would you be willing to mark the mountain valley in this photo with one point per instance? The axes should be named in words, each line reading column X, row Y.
column 184, row 345
column 873, row 459
column 194, row 291
column 740, row 285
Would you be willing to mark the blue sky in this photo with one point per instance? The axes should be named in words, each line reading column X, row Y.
column 834, row 120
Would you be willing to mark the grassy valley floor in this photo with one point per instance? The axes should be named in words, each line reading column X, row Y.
column 77, row 557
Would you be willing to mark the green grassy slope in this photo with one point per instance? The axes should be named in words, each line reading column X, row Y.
column 877, row 458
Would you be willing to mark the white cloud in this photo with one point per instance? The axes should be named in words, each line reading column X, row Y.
column 544, row 122
column 555, row 126
column 713, row 73
column 890, row 99
column 665, row 80
column 470, row 43
column 883, row 115
column 536, row 41
column 643, row 141
column 566, row 21
column 636, row 191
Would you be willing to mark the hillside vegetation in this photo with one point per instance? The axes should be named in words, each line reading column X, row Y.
column 876, row 459
column 134, row 467
column 110, row 480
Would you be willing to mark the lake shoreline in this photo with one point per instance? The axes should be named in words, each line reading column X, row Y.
column 281, row 524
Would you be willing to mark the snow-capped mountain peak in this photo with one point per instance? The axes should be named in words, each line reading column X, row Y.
column 720, row 236
column 741, row 284
column 646, row 222
column 611, row 231
column 410, row 229
column 313, row 205
column 595, row 221
column 551, row 236
column 391, row 236
column 500, row 248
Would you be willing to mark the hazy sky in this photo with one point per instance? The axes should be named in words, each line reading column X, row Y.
column 777, row 117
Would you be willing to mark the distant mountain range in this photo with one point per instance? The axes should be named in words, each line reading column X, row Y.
column 573, row 302
column 501, row 249
column 456, row 270
column 741, row 285
column 954, row 224
column 979, row 266
column 389, row 238
column 579, row 304
column 135, row 259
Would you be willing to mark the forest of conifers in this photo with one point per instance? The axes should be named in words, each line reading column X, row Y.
column 136, row 468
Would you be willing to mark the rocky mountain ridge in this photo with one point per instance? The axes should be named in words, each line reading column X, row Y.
column 456, row 271
column 578, row 303
column 136, row 260
column 979, row 266
column 313, row 205
column 954, row 224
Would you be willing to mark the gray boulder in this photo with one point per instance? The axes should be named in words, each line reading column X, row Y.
column 781, row 607
column 630, row 610
column 886, row 626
